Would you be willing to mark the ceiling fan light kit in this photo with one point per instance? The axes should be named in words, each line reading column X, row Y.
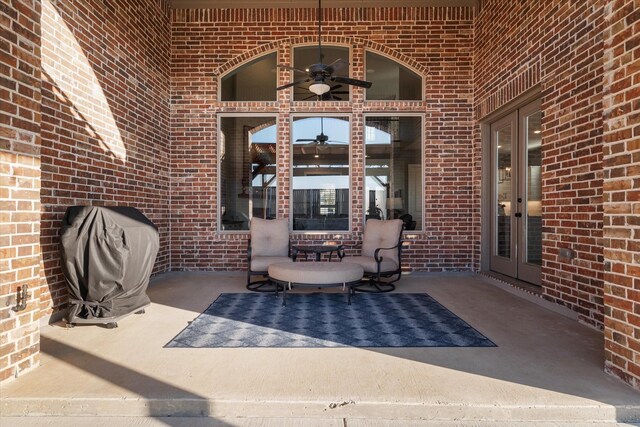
column 319, row 88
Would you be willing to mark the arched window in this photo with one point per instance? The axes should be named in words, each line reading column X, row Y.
column 323, row 144
column 304, row 56
column 254, row 81
column 391, row 81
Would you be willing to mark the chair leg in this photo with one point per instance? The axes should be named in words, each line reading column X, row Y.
column 261, row 285
column 377, row 285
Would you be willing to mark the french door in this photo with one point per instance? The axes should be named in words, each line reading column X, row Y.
column 516, row 194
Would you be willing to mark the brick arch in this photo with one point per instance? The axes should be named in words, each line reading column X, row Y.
column 326, row 39
column 403, row 59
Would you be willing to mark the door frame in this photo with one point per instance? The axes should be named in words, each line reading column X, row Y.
column 486, row 182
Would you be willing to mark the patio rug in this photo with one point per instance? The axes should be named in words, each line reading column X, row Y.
column 325, row 320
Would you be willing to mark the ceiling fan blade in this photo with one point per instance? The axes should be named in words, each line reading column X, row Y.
column 292, row 84
column 306, row 140
column 288, row 67
column 336, row 65
column 350, row 81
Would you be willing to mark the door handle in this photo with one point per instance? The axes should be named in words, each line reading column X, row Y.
column 518, row 215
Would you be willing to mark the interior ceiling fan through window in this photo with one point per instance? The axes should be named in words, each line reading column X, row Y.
column 320, row 75
column 321, row 141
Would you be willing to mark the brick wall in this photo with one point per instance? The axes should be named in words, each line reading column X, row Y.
column 557, row 45
column 621, row 240
column 105, row 118
column 435, row 41
column 19, row 185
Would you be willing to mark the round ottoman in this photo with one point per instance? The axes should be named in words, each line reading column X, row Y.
column 319, row 274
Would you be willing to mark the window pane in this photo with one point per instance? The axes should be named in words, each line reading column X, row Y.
column 247, row 170
column 391, row 80
column 321, row 199
column 253, row 81
column 534, row 189
column 393, row 185
column 305, row 56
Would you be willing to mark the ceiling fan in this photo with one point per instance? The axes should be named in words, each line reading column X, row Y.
column 321, row 141
column 321, row 74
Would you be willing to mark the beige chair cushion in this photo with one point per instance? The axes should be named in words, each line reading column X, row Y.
column 382, row 234
column 369, row 264
column 262, row 263
column 316, row 273
column 269, row 238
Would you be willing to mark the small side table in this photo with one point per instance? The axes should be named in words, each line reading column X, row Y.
column 318, row 250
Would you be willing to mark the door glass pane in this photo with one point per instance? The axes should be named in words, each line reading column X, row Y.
column 534, row 189
column 247, row 170
column 320, row 196
column 503, row 192
column 393, row 185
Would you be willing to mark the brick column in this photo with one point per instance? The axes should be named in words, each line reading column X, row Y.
column 621, row 191
column 19, row 186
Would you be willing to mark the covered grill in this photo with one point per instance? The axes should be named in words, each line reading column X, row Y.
column 108, row 254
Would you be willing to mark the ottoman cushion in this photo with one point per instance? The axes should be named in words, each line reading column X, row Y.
column 316, row 273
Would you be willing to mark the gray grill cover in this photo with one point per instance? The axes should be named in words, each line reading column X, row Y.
column 108, row 254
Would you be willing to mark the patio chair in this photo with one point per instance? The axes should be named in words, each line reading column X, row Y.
column 269, row 243
column 381, row 255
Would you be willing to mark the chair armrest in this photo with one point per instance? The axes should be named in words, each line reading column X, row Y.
column 377, row 256
column 249, row 250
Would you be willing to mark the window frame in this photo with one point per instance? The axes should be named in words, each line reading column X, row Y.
column 422, row 163
column 218, row 184
column 349, row 117
column 240, row 65
column 401, row 64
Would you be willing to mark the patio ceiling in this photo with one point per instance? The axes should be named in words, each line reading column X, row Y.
column 225, row 4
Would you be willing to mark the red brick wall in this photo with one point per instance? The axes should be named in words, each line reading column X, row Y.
column 557, row 45
column 622, row 190
column 105, row 118
column 19, row 185
column 436, row 41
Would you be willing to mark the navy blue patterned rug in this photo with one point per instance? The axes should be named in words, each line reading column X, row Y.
column 325, row 320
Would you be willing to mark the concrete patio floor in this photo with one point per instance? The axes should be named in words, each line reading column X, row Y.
column 547, row 369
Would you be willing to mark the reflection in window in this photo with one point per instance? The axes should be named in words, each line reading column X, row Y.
column 253, row 81
column 391, row 80
column 320, row 182
column 304, row 56
column 393, row 185
column 247, row 170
